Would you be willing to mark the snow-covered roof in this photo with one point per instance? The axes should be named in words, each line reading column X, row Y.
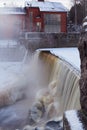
column 12, row 10
column 47, row 6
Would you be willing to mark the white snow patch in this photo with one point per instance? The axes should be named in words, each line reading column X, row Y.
column 73, row 119
column 84, row 24
column 71, row 55
column 47, row 6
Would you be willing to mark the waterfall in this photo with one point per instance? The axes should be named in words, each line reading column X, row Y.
column 66, row 79
column 45, row 79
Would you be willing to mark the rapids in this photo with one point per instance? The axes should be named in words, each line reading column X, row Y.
column 40, row 78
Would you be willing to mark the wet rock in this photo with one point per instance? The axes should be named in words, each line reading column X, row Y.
column 53, row 125
column 39, row 128
column 40, row 106
column 35, row 113
column 28, row 127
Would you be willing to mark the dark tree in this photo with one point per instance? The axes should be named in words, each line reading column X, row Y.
column 79, row 12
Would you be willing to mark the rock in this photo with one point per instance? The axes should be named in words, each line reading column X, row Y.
column 35, row 113
column 39, row 128
column 28, row 127
column 53, row 125
column 40, row 106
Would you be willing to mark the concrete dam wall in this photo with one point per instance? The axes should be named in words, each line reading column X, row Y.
column 37, row 40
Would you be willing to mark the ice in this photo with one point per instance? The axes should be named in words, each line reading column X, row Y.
column 11, row 61
column 8, row 71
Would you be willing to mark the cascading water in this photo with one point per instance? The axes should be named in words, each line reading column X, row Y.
column 45, row 81
column 66, row 80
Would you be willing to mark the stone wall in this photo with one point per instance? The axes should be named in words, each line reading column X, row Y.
column 37, row 40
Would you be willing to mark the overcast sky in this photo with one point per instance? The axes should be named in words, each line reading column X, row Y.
column 67, row 3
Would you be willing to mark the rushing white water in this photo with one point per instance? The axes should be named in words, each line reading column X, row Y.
column 44, row 78
column 66, row 89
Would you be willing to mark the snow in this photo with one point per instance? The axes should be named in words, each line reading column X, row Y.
column 47, row 6
column 15, row 3
column 12, row 10
column 84, row 24
column 11, row 63
column 8, row 72
column 67, row 3
column 71, row 55
column 73, row 119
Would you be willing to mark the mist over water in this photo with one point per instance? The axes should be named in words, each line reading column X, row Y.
column 23, row 75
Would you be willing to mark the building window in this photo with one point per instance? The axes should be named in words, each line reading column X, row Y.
column 38, row 26
column 52, row 22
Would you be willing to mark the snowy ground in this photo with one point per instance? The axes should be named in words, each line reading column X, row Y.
column 10, row 62
column 70, row 55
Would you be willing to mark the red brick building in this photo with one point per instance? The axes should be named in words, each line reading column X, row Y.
column 36, row 16
column 46, row 16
